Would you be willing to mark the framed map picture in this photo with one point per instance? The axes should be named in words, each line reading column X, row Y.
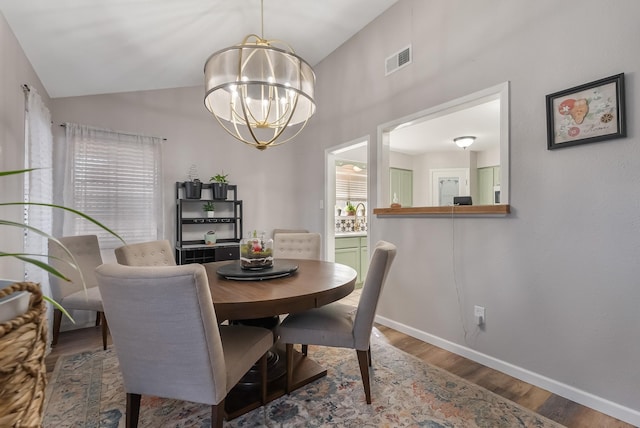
column 587, row 113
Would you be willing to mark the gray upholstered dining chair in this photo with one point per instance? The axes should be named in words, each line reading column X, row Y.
column 154, row 253
column 335, row 325
column 71, row 295
column 276, row 231
column 168, row 341
column 297, row 246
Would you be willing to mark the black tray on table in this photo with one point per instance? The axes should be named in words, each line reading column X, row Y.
column 278, row 270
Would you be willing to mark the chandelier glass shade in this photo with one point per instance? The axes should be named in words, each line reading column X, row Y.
column 261, row 94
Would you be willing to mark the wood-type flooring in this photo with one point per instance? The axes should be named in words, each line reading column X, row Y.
column 554, row 407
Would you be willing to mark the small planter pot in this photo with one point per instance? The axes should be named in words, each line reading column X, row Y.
column 210, row 214
column 219, row 190
column 192, row 189
column 210, row 237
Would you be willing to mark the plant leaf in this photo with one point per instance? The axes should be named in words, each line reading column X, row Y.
column 17, row 171
column 39, row 263
column 57, row 305
column 83, row 215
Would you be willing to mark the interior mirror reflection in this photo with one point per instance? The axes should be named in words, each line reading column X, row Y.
column 457, row 149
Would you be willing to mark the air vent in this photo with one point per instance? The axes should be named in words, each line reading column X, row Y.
column 398, row 60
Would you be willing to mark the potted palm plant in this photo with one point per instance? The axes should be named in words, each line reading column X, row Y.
column 23, row 337
column 220, row 183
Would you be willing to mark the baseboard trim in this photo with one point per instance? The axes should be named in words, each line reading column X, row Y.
column 585, row 398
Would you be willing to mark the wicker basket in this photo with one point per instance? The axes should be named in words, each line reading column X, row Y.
column 22, row 368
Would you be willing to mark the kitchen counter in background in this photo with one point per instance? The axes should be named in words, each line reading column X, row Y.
column 351, row 224
column 345, row 234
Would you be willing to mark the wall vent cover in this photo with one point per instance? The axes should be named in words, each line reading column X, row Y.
column 398, row 60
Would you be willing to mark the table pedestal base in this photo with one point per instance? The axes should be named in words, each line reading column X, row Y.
column 246, row 396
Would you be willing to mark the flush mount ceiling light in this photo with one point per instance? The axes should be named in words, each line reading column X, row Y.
column 260, row 93
column 464, row 142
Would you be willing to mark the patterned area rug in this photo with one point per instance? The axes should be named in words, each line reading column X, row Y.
column 86, row 390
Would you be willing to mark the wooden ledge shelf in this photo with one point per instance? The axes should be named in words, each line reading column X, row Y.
column 454, row 210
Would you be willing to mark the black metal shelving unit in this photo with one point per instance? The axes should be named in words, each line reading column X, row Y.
column 189, row 221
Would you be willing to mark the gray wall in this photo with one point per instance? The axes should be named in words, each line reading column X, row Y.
column 265, row 179
column 15, row 71
column 558, row 276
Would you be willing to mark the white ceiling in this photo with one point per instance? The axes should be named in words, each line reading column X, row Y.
column 436, row 134
column 84, row 47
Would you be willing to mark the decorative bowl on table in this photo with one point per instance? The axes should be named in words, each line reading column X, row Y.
column 256, row 253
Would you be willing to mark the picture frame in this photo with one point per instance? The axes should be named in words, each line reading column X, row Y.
column 587, row 113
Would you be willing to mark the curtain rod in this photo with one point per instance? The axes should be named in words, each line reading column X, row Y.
column 123, row 133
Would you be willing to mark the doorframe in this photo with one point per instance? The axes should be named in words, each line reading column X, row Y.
column 463, row 184
column 330, row 156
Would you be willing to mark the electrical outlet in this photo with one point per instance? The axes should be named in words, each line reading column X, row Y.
column 479, row 313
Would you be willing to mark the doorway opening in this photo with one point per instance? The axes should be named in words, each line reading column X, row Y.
column 347, row 186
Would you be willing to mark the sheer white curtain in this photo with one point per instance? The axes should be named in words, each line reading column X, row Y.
column 38, row 187
column 115, row 178
column 38, row 184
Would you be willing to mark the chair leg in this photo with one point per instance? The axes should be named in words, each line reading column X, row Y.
column 217, row 414
column 289, row 362
column 57, row 320
column 263, row 379
column 369, row 354
column 364, row 372
column 305, row 350
column 105, row 330
column 98, row 318
column 133, row 410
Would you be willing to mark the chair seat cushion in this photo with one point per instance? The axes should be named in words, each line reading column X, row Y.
column 330, row 325
column 89, row 301
column 243, row 346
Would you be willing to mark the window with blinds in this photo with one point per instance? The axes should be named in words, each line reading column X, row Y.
column 351, row 185
column 116, row 180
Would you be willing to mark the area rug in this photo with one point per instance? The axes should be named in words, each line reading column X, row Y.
column 86, row 390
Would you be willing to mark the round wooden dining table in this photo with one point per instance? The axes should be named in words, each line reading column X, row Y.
column 313, row 284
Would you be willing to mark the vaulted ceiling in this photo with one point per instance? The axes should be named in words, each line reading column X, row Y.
column 81, row 47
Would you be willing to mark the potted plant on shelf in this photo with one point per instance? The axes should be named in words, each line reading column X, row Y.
column 220, row 184
column 193, row 187
column 209, row 208
column 350, row 209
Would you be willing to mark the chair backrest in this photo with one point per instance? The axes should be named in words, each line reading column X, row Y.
column 381, row 260
column 154, row 253
column 168, row 314
column 86, row 251
column 297, row 246
column 276, row 231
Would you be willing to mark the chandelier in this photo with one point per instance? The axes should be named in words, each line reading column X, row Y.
column 259, row 91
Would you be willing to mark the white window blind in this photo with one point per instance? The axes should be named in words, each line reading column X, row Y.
column 351, row 186
column 116, row 179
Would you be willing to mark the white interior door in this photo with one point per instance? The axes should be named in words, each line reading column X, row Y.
column 447, row 183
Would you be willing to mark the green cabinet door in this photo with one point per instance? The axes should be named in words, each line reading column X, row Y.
column 401, row 185
column 488, row 179
column 349, row 257
column 364, row 259
column 352, row 251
